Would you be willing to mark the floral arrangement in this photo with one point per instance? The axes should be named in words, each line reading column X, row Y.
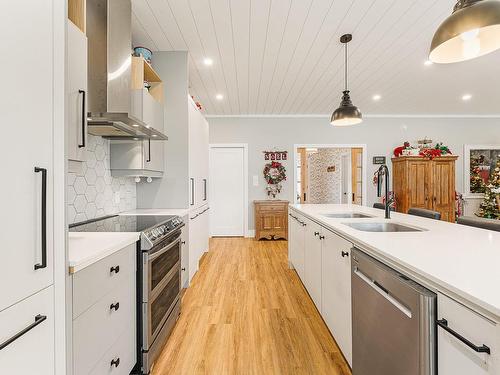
column 274, row 173
column 427, row 152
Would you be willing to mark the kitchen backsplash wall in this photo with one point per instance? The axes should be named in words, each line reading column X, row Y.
column 325, row 186
column 93, row 192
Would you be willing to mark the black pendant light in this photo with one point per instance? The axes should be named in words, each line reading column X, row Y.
column 471, row 31
column 347, row 114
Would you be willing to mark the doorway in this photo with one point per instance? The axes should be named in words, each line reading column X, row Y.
column 228, row 190
column 330, row 174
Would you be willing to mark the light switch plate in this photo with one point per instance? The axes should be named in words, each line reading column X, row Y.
column 255, row 180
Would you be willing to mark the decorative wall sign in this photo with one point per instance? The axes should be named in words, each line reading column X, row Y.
column 275, row 155
column 379, row 160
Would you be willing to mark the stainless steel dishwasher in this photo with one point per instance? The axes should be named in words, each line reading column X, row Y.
column 393, row 321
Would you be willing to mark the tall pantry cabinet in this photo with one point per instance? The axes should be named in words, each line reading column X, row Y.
column 198, row 186
column 425, row 183
column 185, row 183
column 33, row 106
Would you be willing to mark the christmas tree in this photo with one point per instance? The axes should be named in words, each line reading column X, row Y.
column 490, row 207
column 476, row 181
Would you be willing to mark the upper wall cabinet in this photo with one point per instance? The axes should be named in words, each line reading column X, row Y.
column 147, row 103
column 76, row 92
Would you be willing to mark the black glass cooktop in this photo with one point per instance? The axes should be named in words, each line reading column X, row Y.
column 120, row 223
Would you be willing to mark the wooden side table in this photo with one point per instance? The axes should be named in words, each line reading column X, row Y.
column 271, row 219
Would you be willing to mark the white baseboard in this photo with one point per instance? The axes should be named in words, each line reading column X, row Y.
column 250, row 233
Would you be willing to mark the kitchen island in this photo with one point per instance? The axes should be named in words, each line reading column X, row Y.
column 458, row 263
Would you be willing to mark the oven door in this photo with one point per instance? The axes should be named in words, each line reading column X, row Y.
column 161, row 282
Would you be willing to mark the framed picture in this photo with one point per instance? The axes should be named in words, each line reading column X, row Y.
column 479, row 163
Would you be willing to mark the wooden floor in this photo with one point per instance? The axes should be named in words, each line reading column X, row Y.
column 247, row 313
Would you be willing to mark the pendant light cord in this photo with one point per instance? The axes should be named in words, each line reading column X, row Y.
column 345, row 67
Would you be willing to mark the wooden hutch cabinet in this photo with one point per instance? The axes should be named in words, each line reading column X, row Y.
column 271, row 219
column 424, row 183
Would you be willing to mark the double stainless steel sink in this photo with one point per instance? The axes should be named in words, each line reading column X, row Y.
column 366, row 226
column 382, row 227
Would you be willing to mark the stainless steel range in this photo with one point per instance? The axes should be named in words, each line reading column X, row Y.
column 158, row 277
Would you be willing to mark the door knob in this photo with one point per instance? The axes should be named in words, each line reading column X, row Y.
column 115, row 362
column 345, row 253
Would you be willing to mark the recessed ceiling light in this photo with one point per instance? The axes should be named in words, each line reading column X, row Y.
column 219, row 96
column 428, row 63
column 208, row 61
column 377, row 97
column 466, row 97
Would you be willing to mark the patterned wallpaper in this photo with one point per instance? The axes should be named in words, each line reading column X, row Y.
column 93, row 192
column 324, row 186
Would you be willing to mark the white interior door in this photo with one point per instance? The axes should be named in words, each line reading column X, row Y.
column 227, row 191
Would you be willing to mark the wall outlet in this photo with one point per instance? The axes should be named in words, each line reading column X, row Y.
column 117, row 197
column 255, row 180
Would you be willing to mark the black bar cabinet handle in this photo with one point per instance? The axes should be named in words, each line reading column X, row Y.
column 38, row 319
column 114, row 269
column 204, row 189
column 192, row 191
column 443, row 323
column 345, row 254
column 44, row 218
column 81, row 145
column 149, row 151
column 114, row 306
column 115, row 362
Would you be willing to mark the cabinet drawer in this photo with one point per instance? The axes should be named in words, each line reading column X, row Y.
column 95, row 331
column 120, row 358
column 33, row 352
column 95, row 281
column 454, row 356
column 271, row 208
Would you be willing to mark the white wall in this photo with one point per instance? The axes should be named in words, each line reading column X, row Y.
column 381, row 135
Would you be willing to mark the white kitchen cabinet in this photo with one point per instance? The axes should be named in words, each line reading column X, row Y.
column 137, row 158
column 322, row 260
column 296, row 243
column 313, row 243
column 104, row 310
column 76, row 125
column 28, row 105
column 147, row 109
column 198, row 237
column 336, row 290
column 198, row 157
column 33, row 352
column 454, row 356
column 185, row 253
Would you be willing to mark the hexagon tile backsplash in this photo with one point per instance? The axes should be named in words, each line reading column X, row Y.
column 93, row 192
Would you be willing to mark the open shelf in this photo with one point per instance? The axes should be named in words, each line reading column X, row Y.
column 143, row 71
column 76, row 13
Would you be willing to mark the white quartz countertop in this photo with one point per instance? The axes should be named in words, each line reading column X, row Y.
column 157, row 211
column 86, row 248
column 457, row 260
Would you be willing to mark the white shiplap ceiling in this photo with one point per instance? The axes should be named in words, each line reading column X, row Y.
column 284, row 56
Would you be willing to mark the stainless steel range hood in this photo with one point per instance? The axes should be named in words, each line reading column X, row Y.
column 109, row 74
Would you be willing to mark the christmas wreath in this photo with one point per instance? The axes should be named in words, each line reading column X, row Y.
column 274, row 173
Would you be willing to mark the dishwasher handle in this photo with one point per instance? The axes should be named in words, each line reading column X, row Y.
column 383, row 292
column 443, row 323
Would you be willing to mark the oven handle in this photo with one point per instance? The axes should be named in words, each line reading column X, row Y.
column 164, row 250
